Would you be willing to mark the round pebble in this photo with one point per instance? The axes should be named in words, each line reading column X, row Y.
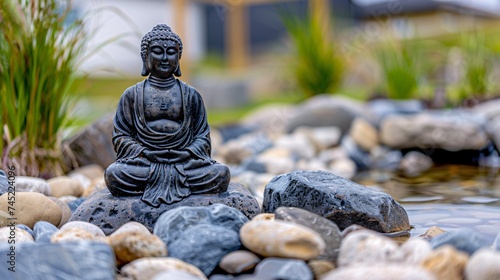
column 64, row 185
column 238, row 262
column 65, row 211
column 43, row 231
column 93, row 229
column 415, row 251
column 365, row 246
column 75, row 234
column 8, row 234
column 32, row 184
column 446, row 263
column 484, row 264
column 96, row 185
column 384, row 271
column 320, row 267
column 147, row 268
column 129, row 246
column 132, row 227
column 264, row 217
column 281, row 239
column 30, row 208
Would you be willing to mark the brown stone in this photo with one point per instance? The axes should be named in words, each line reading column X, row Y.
column 30, row 207
column 446, row 263
column 97, row 184
column 264, row 217
column 432, row 232
column 238, row 262
column 61, row 186
column 129, row 246
column 65, row 211
column 320, row 267
column 281, row 239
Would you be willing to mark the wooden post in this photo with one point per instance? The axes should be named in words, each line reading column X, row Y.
column 180, row 15
column 237, row 34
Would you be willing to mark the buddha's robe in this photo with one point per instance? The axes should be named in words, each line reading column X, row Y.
column 164, row 181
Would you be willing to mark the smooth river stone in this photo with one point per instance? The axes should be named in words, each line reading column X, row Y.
column 201, row 235
column 320, row 267
column 32, row 184
column 377, row 271
column 31, row 207
column 64, row 185
column 148, row 268
column 26, row 228
column 281, row 239
column 337, row 199
column 326, row 228
column 19, row 236
column 415, row 251
column 239, row 261
column 367, row 247
column 462, row 239
column 43, row 231
column 483, row 265
column 285, row 269
column 65, row 211
column 496, row 243
column 129, row 246
column 63, row 261
column 110, row 213
column 446, row 263
column 78, row 231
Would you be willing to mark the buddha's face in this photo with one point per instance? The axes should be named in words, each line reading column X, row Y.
column 162, row 58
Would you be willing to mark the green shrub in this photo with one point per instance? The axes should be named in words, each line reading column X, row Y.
column 477, row 60
column 317, row 65
column 39, row 52
column 399, row 62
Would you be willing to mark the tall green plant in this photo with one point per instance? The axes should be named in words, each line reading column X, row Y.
column 477, row 64
column 39, row 52
column 399, row 62
column 318, row 67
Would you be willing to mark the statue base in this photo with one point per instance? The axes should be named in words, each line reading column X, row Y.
column 109, row 212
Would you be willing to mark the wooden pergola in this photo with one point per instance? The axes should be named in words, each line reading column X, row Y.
column 236, row 24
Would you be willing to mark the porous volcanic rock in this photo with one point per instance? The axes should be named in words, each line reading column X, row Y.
column 109, row 213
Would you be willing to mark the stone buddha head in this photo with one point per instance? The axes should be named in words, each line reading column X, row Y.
column 161, row 50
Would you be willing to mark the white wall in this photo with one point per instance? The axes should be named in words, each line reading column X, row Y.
column 128, row 21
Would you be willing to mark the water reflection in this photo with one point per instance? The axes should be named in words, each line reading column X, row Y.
column 450, row 197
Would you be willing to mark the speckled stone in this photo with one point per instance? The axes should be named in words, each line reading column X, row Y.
column 385, row 271
column 9, row 235
column 446, row 263
column 30, row 208
column 239, row 261
column 109, row 213
column 281, row 239
column 484, row 264
column 64, row 185
column 327, row 229
column 129, row 246
column 264, row 217
column 337, row 199
column 367, row 247
column 78, row 231
column 132, row 227
column 94, row 230
column 147, row 268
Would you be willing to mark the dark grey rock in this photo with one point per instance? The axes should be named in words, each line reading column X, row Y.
column 61, row 261
column 325, row 110
column 43, row 231
column 74, row 204
column 337, row 199
column 109, row 213
column 327, row 229
column 496, row 243
column 4, row 182
column 465, row 240
column 26, row 228
column 356, row 153
column 94, row 143
column 282, row 269
column 201, row 235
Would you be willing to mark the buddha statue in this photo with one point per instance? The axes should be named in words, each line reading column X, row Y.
column 161, row 135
